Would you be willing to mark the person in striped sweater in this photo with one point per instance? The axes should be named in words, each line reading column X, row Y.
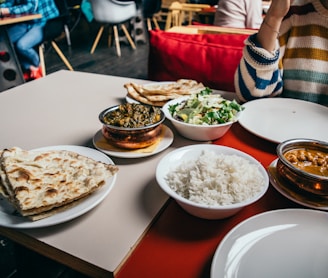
column 296, row 64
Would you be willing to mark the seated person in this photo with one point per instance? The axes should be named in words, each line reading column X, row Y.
column 26, row 35
column 295, row 65
column 239, row 14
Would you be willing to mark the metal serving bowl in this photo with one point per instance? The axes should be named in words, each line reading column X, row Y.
column 131, row 137
column 309, row 182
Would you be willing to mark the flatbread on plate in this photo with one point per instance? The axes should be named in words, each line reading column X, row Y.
column 36, row 182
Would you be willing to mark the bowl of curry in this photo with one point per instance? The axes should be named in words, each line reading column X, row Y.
column 132, row 125
column 304, row 163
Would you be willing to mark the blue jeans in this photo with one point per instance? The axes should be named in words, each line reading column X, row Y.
column 25, row 37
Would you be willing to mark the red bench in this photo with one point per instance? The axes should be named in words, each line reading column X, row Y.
column 208, row 58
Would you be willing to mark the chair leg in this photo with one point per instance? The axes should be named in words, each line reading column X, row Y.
column 97, row 39
column 156, row 23
column 149, row 24
column 128, row 36
column 117, row 41
column 42, row 62
column 62, row 56
column 176, row 18
column 68, row 35
column 110, row 36
column 168, row 22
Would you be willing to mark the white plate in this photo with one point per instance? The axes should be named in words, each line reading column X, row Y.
column 280, row 119
column 294, row 194
column 149, row 85
column 165, row 142
column 281, row 243
column 8, row 219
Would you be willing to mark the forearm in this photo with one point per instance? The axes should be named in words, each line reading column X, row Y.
column 269, row 32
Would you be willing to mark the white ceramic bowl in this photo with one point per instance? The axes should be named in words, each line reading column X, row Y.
column 194, row 131
column 183, row 155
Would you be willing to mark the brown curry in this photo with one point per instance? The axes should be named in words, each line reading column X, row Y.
column 311, row 161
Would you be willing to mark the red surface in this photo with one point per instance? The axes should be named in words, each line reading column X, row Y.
column 180, row 245
column 208, row 58
column 209, row 10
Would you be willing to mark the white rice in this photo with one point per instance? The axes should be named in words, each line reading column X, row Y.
column 216, row 179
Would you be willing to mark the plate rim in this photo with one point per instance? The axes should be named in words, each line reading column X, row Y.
column 213, row 271
column 77, row 210
column 275, row 100
column 166, row 143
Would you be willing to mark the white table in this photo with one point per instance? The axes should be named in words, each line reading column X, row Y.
column 62, row 109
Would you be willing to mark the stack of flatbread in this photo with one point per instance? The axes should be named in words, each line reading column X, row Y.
column 41, row 183
column 157, row 94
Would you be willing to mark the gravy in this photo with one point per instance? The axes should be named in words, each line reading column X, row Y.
column 311, row 161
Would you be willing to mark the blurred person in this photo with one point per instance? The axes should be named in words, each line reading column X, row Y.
column 26, row 35
column 239, row 14
column 288, row 56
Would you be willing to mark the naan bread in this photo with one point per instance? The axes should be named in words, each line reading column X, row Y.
column 180, row 87
column 135, row 95
column 158, row 94
column 36, row 182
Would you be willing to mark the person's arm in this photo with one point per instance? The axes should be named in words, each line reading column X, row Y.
column 4, row 10
column 258, row 74
column 269, row 30
column 29, row 7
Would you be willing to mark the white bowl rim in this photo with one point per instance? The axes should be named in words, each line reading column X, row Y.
column 168, row 115
column 181, row 199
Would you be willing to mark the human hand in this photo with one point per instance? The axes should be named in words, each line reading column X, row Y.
column 4, row 11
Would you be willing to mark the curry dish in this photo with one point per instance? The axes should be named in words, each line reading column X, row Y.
column 132, row 115
column 310, row 161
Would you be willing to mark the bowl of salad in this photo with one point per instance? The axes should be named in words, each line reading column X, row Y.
column 203, row 116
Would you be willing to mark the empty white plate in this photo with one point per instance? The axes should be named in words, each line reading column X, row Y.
column 286, row 243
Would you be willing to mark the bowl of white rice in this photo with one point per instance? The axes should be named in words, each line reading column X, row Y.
column 211, row 181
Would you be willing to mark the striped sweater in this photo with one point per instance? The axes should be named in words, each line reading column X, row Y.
column 299, row 67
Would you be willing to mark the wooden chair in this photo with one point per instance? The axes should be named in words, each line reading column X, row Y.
column 113, row 13
column 177, row 13
column 150, row 9
column 53, row 29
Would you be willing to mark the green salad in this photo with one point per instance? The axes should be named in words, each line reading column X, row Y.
column 205, row 108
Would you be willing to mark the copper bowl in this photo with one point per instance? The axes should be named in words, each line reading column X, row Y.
column 307, row 181
column 131, row 137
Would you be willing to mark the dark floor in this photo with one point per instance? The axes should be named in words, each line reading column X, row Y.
column 132, row 63
column 15, row 260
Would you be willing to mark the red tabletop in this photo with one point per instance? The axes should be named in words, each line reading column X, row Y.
column 181, row 245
